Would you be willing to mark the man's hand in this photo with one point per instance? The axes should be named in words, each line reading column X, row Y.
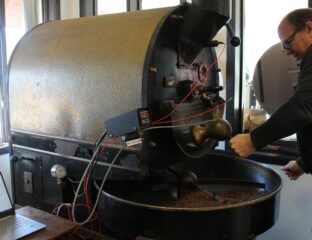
column 292, row 170
column 242, row 145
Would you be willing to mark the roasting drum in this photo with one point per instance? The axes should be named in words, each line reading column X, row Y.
column 67, row 76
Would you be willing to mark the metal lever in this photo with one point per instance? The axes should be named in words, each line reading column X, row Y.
column 184, row 87
column 213, row 89
column 235, row 41
column 219, row 129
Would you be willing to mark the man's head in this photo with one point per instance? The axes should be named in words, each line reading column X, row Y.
column 295, row 32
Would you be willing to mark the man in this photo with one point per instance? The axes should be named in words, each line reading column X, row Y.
column 295, row 116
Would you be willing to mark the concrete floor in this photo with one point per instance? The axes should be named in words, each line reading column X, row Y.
column 295, row 219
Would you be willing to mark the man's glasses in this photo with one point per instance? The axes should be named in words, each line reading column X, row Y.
column 286, row 45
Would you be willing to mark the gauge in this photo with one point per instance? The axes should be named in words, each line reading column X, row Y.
column 58, row 171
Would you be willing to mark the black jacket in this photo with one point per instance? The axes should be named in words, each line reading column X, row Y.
column 295, row 116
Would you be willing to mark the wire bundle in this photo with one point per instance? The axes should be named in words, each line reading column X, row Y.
column 84, row 192
column 200, row 80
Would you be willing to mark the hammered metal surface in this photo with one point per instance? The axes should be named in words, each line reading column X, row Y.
column 67, row 76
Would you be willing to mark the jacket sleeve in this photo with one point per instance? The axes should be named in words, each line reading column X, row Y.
column 302, row 165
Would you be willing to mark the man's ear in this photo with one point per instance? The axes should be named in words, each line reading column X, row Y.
column 309, row 25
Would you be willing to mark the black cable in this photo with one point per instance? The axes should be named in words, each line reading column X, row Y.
column 100, row 139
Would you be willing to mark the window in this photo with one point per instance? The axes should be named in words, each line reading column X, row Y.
column 148, row 4
column 15, row 27
column 261, row 20
column 107, row 6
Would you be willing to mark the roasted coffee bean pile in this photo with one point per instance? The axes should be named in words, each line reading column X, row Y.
column 201, row 199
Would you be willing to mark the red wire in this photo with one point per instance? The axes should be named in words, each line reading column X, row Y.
column 75, row 232
column 86, row 179
column 177, row 106
column 187, row 95
column 197, row 114
column 85, row 190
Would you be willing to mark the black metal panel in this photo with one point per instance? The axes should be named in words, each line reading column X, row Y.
column 165, row 62
column 32, row 141
column 45, row 192
column 53, row 192
column 28, row 179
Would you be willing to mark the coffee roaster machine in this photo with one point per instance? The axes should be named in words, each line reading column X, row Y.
column 150, row 80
